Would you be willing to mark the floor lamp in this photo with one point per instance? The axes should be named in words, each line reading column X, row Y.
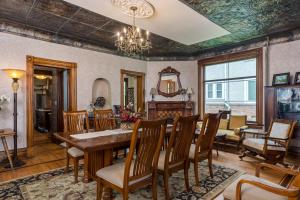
column 15, row 74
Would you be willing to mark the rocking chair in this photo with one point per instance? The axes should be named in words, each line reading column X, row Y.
column 273, row 147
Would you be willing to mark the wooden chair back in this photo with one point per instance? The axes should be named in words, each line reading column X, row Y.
column 237, row 121
column 104, row 120
column 284, row 142
column 208, row 132
column 147, row 139
column 76, row 122
column 180, row 140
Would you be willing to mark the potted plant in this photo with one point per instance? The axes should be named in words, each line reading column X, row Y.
column 3, row 100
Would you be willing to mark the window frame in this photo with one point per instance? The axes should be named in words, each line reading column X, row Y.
column 255, row 53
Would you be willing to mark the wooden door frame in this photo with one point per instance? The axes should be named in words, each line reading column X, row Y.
column 136, row 74
column 32, row 61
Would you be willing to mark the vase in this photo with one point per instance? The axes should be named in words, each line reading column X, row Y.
column 127, row 125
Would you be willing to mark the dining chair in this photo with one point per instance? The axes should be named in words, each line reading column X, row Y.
column 104, row 120
column 138, row 170
column 202, row 149
column 75, row 122
column 176, row 155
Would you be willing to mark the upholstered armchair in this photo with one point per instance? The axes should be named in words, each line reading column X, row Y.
column 273, row 146
column 232, row 129
column 249, row 187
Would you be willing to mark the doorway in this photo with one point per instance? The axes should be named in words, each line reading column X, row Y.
column 50, row 99
column 51, row 89
column 133, row 90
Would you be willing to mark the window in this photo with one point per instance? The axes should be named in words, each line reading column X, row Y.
column 230, row 82
column 251, row 90
column 214, row 90
column 209, row 91
column 219, row 90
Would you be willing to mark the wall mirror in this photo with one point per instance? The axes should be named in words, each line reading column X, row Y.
column 169, row 84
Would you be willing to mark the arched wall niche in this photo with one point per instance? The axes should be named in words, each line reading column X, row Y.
column 101, row 88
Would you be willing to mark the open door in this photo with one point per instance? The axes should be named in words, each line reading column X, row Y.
column 132, row 89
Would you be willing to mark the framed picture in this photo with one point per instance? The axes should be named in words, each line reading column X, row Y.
column 297, row 78
column 281, row 79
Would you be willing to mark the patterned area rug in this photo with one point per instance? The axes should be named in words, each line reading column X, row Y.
column 57, row 185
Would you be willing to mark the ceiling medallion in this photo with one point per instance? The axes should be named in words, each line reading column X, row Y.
column 144, row 8
column 131, row 40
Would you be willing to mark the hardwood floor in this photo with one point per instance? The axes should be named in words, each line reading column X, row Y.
column 41, row 158
column 51, row 156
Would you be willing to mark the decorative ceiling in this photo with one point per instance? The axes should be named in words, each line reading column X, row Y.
column 187, row 30
column 244, row 19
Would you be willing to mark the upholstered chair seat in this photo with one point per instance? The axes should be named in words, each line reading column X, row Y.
column 258, row 144
column 230, row 134
column 115, row 174
column 250, row 192
column 248, row 187
column 75, row 152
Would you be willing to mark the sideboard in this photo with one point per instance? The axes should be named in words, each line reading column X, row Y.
column 169, row 109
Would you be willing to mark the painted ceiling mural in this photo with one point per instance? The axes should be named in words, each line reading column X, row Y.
column 244, row 19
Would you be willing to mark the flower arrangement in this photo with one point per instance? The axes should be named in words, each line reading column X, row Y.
column 3, row 99
column 128, row 117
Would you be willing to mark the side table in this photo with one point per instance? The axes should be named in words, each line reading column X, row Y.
column 3, row 134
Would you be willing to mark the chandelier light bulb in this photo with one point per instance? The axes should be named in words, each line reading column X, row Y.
column 132, row 40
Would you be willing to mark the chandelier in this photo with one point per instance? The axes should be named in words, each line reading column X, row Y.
column 132, row 40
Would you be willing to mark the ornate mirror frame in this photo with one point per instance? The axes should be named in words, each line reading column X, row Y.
column 172, row 71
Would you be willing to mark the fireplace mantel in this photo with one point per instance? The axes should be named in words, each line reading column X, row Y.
column 169, row 109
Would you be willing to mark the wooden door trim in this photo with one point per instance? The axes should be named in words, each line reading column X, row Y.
column 31, row 61
column 135, row 74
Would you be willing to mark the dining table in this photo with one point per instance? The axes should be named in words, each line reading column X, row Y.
column 98, row 148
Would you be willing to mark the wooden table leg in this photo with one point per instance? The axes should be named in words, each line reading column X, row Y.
column 7, row 152
column 86, row 167
column 93, row 161
column 108, row 155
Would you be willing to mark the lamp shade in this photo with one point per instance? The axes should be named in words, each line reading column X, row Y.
column 153, row 91
column 189, row 91
column 14, row 73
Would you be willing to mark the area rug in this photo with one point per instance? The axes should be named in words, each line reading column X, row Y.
column 57, row 185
